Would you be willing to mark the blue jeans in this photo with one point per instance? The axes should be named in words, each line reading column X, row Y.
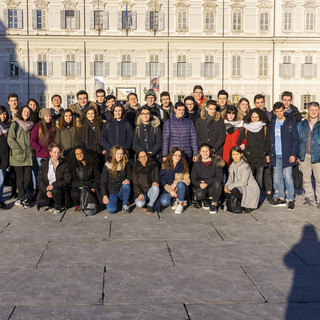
column 182, row 191
column 282, row 180
column 123, row 195
column 2, row 175
column 151, row 195
column 35, row 170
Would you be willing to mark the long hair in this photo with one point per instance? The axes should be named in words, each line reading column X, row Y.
column 115, row 165
column 262, row 115
column 232, row 109
column 19, row 113
column 46, row 136
column 169, row 165
column 37, row 104
column 4, row 110
column 96, row 121
column 62, row 123
column 122, row 109
column 243, row 157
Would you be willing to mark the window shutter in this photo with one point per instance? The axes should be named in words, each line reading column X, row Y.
column 175, row 69
column 34, row 19
column 20, row 18
column 189, row 70
column 280, row 70
column 5, row 18
column 6, row 69
column 91, row 68
column 216, row 70
column 302, row 70
column 202, row 69
column 119, row 20
column 78, row 69
column 147, row 20
column 22, row 69
column 119, row 69
column 105, row 20
column 77, row 16
column 302, row 102
column 64, row 101
column 91, row 21
column 313, row 98
column 134, row 20
column 293, row 70
column 35, row 68
column 147, row 69
column 50, row 68
column 162, row 69
column 62, row 19
column 133, row 69
column 315, row 70
column 106, row 68
column 63, row 68
column 161, row 20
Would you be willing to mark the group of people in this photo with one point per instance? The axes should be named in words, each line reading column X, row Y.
column 203, row 150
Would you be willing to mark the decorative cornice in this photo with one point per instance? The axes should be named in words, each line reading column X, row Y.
column 182, row 4
column 41, row 4
column 264, row 4
column 69, row 4
column 288, row 5
column 310, row 4
column 154, row 5
column 12, row 4
column 209, row 5
column 98, row 4
column 126, row 4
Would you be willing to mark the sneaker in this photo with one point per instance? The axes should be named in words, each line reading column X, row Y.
column 206, row 204
column 197, row 204
column 291, row 205
column 179, row 209
column 125, row 208
column 150, row 210
column 308, row 203
column 279, row 203
column 213, row 209
column 49, row 209
column 56, row 211
column 269, row 198
column 175, row 205
column 13, row 195
column 26, row 203
column 18, row 203
column 3, row 206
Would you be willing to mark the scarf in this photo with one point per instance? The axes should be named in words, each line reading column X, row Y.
column 25, row 125
column 167, row 176
column 208, row 117
column 91, row 126
column 254, row 126
column 4, row 128
column 232, row 126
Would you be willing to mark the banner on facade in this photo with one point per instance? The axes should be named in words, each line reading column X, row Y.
column 154, row 83
column 99, row 82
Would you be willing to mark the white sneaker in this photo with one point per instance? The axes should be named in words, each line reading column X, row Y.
column 18, row 203
column 56, row 211
column 179, row 209
column 175, row 204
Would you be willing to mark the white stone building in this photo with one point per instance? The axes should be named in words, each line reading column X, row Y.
column 245, row 47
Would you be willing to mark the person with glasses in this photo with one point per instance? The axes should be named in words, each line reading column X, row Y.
column 147, row 134
column 309, row 153
column 146, row 181
column 192, row 109
column 175, row 180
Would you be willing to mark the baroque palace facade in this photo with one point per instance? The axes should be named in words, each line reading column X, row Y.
column 243, row 46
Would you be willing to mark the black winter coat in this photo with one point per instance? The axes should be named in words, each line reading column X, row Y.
column 110, row 184
column 93, row 138
column 212, row 132
column 132, row 115
column 63, row 175
column 208, row 174
column 143, row 177
column 4, row 152
column 85, row 175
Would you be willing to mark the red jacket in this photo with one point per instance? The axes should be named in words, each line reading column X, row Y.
column 231, row 141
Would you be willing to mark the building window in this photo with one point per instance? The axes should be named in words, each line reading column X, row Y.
column 236, row 21
column 182, row 21
column 235, row 98
column 98, row 65
column 287, row 69
column 42, row 68
column 310, row 21
column 12, row 18
column 208, row 66
column 126, row 65
column 308, row 69
column 264, row 21
column 209, row 21
column 263, row 66
column 43, row 101
column 41, row 19
column 98, row 19
column 70, row 65
column 154, row 65
column 236, row 64
column 208, row 96
column 70, row 19
column 126, row 20
column 306, row 100
column 182, row 66
column 71, row 99
column 154, row 20
column 287, row 21
column 180, row 98
column 13, row 68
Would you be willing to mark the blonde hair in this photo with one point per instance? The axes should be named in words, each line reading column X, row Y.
column 115, row 165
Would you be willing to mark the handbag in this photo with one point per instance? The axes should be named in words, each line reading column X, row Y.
column 88, row 202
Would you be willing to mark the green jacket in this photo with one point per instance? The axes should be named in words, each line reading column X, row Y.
column 67, row 139
column 19, row 143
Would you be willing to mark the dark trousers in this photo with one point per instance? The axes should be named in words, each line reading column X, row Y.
column 23, row 176
column 75, row 196
column 236, row 192
column 258, row 174
column 57, row 200
column 268, row 178
column 213, row 191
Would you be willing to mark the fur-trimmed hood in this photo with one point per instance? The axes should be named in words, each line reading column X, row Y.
column 203, row 115
column 218, row 161
column 155, row 122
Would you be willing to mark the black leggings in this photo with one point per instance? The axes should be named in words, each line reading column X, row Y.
column 236, row 192
column 213, row 191
column 268, row 178
column 258, row 174
column 23, row 176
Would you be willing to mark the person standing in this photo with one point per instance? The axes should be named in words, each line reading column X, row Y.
column 56, row 108
column 13, row 102
column 82, row 105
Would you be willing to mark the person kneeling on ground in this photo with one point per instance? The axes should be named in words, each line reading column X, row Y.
column 241, row 183
column 53, row 179
column 145, row 178
column 115, row 180
column 207, row 177
column 175, row 178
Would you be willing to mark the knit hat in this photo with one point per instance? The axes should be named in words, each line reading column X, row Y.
column 151, row 92
column 45, row 112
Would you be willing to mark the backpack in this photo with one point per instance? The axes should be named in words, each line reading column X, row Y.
column 233, row 203
column 88, row 202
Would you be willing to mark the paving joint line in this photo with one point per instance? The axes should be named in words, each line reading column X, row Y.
column 10, row 315
column 42, row 254
column 305, row 262
column 6, row 227
column 103, row 284
column 220, row 235
column 187, row 312
column 170, row 253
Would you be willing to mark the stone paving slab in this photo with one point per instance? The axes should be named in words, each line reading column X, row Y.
column 141, row 312
column 20, row 254
column 5, row 312
column 264, row 311
column 181, row 284
column 51, row 286
column 280, row 284
column 231, row 253
column 96, row 253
